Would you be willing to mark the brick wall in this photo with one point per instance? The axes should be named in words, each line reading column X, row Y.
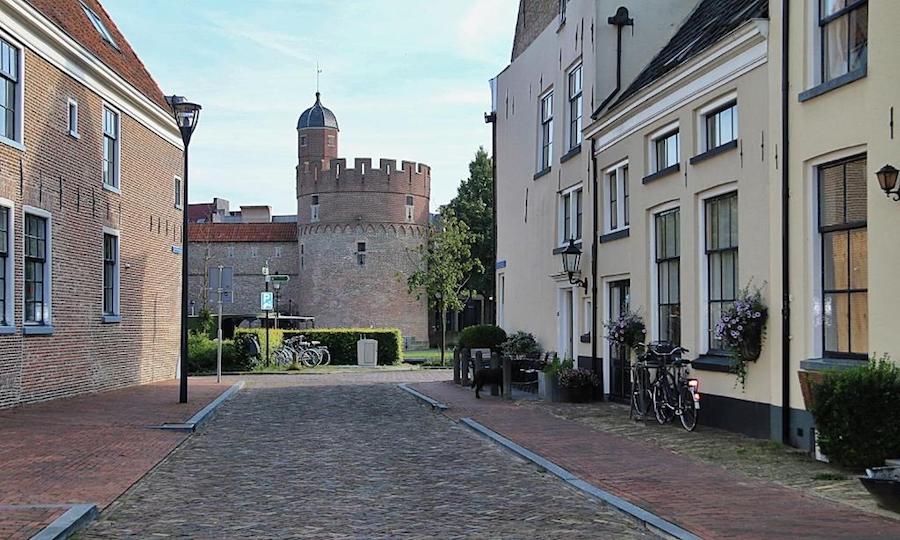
column 62, row 175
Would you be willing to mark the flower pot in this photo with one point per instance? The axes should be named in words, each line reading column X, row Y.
column 582, row 394
column 548, row 387
column 752, row 346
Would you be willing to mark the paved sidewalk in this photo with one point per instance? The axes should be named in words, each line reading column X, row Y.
column 703, row 498
column 87, row 449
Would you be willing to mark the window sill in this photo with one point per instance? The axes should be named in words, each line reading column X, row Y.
column 830, row 364
column 37, row 330
column 14, row 144
column 714, row 362
column 74, row 135
column 7, row 330
column 110, row 319
column 671, row 169
column 714, row 152
column 113, row 189
column 542, row 173
column 615, row 235
column 833, row 84
column 571, row 153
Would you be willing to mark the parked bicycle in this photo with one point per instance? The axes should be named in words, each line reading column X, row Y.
column 296, row 349
column 660, row 382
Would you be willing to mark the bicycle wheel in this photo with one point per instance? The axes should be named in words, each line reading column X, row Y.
column 283, row 357
column 640, row 404
column 689, row 411
column 310, row 358
column 325, row 356
column 661, row 406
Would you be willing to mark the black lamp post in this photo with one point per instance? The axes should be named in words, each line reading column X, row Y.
column 571, row 257
column 887, row 179
column 187, row 115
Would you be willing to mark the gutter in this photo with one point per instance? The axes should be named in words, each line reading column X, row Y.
column 785, row 229
column 594, row 244
column 620, row 19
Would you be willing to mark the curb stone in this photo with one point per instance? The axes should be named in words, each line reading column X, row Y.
column 74, row 519
column 203, row 414
column 435, row 405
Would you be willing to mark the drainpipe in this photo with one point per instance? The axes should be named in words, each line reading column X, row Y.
column 491, row 119
column 594, row 244
column 785, row 230
column 619, row 20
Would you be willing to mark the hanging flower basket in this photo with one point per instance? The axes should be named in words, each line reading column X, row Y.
column 742, row 330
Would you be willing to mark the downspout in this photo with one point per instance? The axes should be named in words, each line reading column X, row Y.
column 620, row 19
column 491, row 118
column 785, row 229
column 594, row 245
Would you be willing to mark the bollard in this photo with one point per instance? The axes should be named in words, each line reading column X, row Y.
column 507, row 377
column 464, row 361
column 495, row 363
column 456, row 376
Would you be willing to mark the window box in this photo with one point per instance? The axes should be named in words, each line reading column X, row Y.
column 834, row 84
column 714, row 362
column 662, row 173
column 714, row 152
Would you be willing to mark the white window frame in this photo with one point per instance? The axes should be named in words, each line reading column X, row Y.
column 116, row 315
column 586, row 315
column 99, row 26
column 710, row 107
column 118, row 159
column 10, row 269
column 19, row 141
column 569, row 195
column 314, row 208
column 229, row 252
column 72, row 118
column 654, row 274
column 48, row 267
column 570, row 97
column 702, row 262
column 618, row 169
column 541, row 143
column 178, row 191
column 278, row 252
column 663, row 133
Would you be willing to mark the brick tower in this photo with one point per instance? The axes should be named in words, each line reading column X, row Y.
column 357, row 226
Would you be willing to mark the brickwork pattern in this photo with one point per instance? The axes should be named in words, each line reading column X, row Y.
column 62, row 175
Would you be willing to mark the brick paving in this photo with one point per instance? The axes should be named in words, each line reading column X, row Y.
column 344, row 456
column 86, row 449
column 705, row 498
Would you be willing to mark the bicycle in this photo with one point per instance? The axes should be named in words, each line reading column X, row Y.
column 674, row 394
column 296, row 349
column 643, row 381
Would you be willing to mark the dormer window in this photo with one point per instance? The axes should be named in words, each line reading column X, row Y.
column 98, row 25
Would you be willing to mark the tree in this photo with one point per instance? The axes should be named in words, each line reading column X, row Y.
column 444, row 267
column 473, row 205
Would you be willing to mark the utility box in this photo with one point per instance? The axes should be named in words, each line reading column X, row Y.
column 367, row 352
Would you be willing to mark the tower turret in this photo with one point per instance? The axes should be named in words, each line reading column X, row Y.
column 317, row 136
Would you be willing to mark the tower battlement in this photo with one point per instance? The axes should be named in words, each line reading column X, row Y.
column 335, row 176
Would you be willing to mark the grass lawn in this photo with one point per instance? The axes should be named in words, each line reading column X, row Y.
column 431, row 356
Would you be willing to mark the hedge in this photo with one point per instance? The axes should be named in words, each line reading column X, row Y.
column 341, row 342
column 857, row 414
column 202, row 355
column 484, row 336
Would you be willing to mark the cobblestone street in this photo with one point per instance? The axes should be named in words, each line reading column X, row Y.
column 348, row 456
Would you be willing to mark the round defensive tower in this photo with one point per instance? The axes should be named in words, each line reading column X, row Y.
column 358, row 224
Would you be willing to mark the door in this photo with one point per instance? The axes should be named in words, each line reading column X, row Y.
column 619, row 364
column 565, row 325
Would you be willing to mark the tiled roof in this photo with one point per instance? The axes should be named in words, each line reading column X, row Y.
column 242, row 232
column 198, row 211
column 710, row 21
column 71, row 18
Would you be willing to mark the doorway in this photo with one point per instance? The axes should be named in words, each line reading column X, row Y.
column 566, row 324
column 619, row 364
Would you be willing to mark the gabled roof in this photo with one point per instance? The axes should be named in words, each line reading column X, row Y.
column 242, row 232
column 70, row 17
column 710, row 21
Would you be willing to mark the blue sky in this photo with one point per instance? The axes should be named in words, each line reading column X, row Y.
column 407, row 79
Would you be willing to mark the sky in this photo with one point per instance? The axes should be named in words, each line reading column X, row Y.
column 407, row 80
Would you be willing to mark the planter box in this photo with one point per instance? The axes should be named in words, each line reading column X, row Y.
column 548, row 387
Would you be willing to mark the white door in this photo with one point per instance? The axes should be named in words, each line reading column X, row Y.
column 566, row 325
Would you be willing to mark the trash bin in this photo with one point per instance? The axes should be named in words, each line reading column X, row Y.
column 367, row 352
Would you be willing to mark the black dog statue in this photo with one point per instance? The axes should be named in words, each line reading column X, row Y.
column 485, row 376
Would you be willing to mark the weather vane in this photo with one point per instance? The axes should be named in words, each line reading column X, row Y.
column 318, row 72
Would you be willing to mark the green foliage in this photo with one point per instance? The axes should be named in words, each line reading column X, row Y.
column 558, row 365
column 203, row 323
column 482, row 336
column 857, row 414
column 574, row 379
column 520, row 344
column 202, row 355
column 472, row 205
column 341, row 342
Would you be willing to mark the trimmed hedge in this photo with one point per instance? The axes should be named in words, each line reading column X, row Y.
column 202, row 355
column 857, row 414
column 482, row 336
column 341, row 342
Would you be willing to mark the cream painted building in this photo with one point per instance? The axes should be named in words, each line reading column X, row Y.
column 710, row 110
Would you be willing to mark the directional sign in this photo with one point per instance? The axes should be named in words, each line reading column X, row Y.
column 267, row 301
column 278, row 278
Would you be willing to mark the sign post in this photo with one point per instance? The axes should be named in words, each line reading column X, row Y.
column 219, row 347
column 266, row 300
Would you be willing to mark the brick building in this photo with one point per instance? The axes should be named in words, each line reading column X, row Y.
column 89, row 157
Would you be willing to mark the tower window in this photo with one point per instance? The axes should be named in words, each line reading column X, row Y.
column 314, row 209
column 302, row 140
column 331, row 140
column 409, row 209
column 361, row 253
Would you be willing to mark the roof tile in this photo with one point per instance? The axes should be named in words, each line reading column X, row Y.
column 242, row 232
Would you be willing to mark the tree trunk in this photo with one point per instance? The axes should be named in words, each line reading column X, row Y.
column 443, row 331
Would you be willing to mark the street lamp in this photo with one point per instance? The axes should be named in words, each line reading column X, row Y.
column 571, row 257
column 887, row 179
column 187, row 115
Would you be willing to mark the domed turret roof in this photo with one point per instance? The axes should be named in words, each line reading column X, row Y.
column 317, row 116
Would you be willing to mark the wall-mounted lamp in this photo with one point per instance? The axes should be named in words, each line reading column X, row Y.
column 571, row 257
column 887, row 179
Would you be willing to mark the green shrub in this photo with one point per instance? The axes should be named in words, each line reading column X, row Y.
column 202, row 355
column 341, row 342
column 857, row 414
column 521, row 344
column 484, row 336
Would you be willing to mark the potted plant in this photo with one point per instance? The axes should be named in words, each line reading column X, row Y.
column 579, row 384
column 742, row 330
column 548, row 379
column 520, row 345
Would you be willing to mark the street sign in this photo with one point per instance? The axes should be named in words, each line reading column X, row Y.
column 267, row 301
column 278, row 278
